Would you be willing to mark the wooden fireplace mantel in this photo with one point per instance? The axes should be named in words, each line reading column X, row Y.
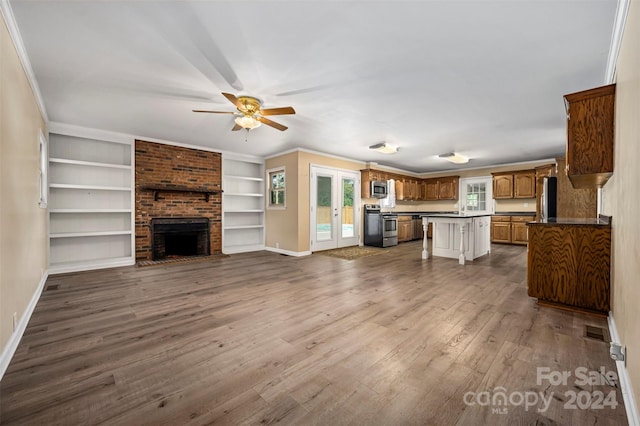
column 159, row 188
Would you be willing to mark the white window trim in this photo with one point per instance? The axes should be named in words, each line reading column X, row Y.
column 43, row 170
column 269, row 206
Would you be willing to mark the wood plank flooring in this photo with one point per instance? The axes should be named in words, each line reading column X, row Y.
column 261, row 338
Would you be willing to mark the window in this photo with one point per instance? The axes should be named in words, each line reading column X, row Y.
column 44, row 159
column 276, row 188
column 476, row 195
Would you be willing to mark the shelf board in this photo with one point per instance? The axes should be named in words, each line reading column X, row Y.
column 85, row 265
column 94, row 187
column 88, row 234
column 243, row 227
column 240, row 194
column 89, row 163
column 255, row 179
column 89, row 210
column 244, row 211
column 242, row 248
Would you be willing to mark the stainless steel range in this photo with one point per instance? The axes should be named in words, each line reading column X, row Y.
column 380, row 229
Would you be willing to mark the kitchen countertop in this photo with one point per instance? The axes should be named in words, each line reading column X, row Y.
column 454, row 215
column 553, row 221
column 514, row 214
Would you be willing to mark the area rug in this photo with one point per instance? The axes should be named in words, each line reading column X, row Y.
column 351, row 253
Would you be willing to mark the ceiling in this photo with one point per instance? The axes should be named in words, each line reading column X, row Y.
column 481, row 78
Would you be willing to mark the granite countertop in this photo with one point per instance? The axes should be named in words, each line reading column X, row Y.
column 605, row 222
column 514, row 214
column 454, row 215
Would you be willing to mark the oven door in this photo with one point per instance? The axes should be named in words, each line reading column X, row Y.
column 389, row 226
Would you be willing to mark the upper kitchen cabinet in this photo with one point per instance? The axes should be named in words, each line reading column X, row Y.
column 502, row 185
column 431, row 190
column 366, row 177
column 524, row 184
column 448, row 188
column 518, row 184
column 590, row 118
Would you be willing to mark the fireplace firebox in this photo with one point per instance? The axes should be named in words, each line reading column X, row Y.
column 179, row 237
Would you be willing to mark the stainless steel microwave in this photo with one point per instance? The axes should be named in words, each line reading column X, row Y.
column 379, row 189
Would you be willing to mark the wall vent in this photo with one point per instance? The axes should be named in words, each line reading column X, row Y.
column 596, row 333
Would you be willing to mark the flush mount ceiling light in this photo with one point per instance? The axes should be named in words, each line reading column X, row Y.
column 247, row 122
column 384, row 148
column 454, row 158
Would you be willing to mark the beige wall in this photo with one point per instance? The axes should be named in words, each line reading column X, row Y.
column 23, row 235
column 289, row 229
column 621, row 198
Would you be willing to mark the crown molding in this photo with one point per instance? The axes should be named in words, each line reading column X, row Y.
column 616, row 40
column 310, row 151
column 14, row 32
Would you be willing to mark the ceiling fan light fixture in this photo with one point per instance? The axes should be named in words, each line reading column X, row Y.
column 384, row 148
column 454, row 157
column 247, row 122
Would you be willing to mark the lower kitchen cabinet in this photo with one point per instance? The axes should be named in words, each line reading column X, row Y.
column 519, row 229
column 405, row 228
column 501, row 229
column 417, row 229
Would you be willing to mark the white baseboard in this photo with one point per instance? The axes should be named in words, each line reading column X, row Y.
column 14, row 340
column 625, row 381
column 288, row 252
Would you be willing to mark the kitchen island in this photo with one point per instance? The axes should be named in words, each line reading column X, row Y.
column 569, row 263
column 457, row 236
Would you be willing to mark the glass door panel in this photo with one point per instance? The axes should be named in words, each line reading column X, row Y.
column 324, row 208
column 348, row 212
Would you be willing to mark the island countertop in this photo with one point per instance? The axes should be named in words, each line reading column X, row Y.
column 454, row 215
column 604, row 221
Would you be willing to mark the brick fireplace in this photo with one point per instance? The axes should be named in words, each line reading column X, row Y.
column 177, row 185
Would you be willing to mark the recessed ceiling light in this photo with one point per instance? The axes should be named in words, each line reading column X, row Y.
column 384, row 148
column 454, row 158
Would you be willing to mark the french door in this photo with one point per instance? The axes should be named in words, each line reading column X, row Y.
column 334, row 208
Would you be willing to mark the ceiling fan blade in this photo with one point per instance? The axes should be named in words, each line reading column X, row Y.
column 277, row 111
column 236, row 127
column 232, row 99
column 272, row 123
column 213, row 112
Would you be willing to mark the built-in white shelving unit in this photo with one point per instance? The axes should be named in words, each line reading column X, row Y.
column 90, row 200
column 243, row 204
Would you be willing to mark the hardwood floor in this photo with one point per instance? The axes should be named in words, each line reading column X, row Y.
column 261, row 338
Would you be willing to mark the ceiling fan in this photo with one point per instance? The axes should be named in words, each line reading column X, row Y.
column 249, row 114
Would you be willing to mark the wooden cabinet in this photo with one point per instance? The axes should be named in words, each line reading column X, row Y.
column 569, row 265
column 431, row 189
column 509, row 229
column 518, row 184
column 368, row 175
column 448, row 188
column 501, row 229
column 524, row 184
column 502, row 185
column 417, row 229
column 519, row 229
column 405, row 228
column 590, row 121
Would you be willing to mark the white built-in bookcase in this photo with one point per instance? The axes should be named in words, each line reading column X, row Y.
column 90, row 200
column 243, row 204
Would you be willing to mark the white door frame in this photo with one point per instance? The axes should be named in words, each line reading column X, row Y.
column 336, row 240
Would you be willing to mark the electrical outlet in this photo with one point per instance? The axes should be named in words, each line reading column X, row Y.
column 15, row 321
column 277, row 245
column 526, row 204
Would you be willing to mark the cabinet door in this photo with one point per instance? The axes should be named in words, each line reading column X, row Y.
column 431, row 189
column 405, row 230
column 519, row 233
column 590, row 122
column 500, row 232
column 524, row 184
column 400, row 190
column 448, row 189
column 365, row 186
column 503, row 186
